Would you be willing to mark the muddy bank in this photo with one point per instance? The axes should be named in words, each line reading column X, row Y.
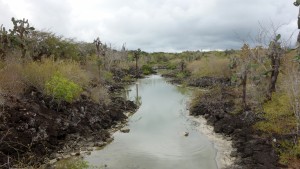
column 34, row 128
column 252, row 150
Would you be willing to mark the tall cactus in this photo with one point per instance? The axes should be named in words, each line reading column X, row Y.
column 4, row 42
column 98, row 45
column 20, row 34
column 275, row 53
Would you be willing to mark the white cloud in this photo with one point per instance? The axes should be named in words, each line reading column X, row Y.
column 156, row 25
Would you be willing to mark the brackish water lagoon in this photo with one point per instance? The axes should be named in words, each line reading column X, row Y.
column 157, row 137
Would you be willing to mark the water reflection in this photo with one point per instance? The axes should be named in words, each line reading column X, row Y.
column 138, row 99
column 156, row 138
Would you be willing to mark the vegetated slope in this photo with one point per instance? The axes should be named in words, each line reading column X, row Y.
column 56, row 94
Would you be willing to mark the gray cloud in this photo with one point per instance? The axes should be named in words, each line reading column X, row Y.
column 6, row 14
column 160, row 25
column 52, row 15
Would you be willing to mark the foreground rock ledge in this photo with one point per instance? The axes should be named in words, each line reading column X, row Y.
column 33, row 128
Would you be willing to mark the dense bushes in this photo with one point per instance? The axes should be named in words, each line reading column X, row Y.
column 64, row 79
column 38, row 73
column 288, row 151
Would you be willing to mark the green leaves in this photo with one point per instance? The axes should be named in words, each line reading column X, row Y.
column 62, row 88
column 278, row 37
column 137, row 53
column 297, row 3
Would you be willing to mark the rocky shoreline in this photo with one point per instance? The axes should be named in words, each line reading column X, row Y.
column 35, row 130
column 216, row 105
column 252, row 150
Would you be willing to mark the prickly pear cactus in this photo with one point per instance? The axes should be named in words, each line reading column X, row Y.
column 20, row 34
column 99, row 46
column 297, row 3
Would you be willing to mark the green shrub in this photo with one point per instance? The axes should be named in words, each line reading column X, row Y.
column 108, row 76
column 147, row 69
column 278, row 116
column 288, row 151
column 127, row 78
column 182, row 75
column 62, row 89
column 171, row 66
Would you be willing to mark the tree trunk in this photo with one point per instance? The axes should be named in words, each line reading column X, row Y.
column 136, row 68
column 23, row 51
column 274, row 75
column 244, row 84
column 182, row 66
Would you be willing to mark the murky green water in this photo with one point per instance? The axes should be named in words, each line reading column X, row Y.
column 156, row 140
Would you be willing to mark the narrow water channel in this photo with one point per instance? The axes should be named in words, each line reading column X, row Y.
column 156, row 139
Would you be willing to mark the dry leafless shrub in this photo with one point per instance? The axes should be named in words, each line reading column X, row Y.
column 100, row 94
column 211, row 66
column 11, row 80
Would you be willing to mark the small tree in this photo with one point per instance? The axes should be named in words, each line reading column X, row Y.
column 275, row 53
column 182, row 65
column 136, row 55
column 245, row 60
column 98, row 45
column 241, row 68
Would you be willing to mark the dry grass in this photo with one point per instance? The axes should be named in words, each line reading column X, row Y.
column 211, row 66
column 11, row 79
column 73, row 71
column 100, row 94
column 125, row 65
column 38, row 73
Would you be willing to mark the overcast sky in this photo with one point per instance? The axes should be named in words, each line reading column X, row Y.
column 156, row 25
